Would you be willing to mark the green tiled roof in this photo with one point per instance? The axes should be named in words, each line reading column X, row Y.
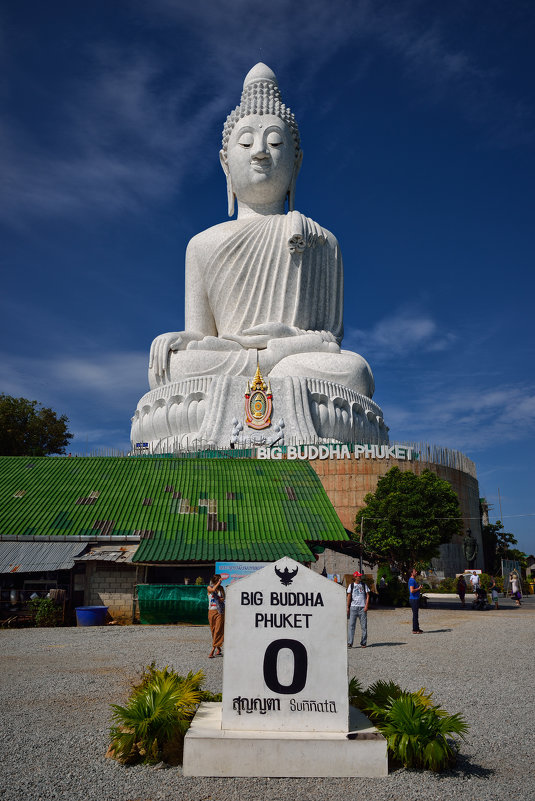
column 184, row 509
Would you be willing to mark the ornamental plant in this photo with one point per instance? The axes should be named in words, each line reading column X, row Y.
column 418, row 733
column 152, row 725
column 395, row 593
column 485, row 581
column 45, row 611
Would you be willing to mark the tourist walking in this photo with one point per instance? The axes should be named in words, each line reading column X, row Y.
column 461, row 589
column 474, row 580
column 515, row 587
column 494, row 592
column 216, row 614
column 358, row 599
column 414, row 600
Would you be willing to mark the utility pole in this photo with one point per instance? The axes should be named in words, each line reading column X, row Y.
column 361, row 536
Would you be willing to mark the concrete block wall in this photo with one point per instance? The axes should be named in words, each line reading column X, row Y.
column 112, row 586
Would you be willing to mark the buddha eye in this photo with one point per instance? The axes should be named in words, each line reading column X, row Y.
column 274, row 139
column 246, row 139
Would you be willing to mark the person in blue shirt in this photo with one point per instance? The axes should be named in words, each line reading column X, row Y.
column 414, row 600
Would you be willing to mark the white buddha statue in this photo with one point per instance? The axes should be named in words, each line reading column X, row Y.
column 263, row 292
column 266, row 287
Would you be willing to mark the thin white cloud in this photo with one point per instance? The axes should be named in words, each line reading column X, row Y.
column 289, row 33
column 414, row 33
column 128, row 131
column 118, row 148
column 406, row 332
column 105, row 381
column 97, row 394
column 437, row 397
column 472, row 419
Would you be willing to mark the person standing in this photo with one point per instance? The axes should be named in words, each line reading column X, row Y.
column 358, row 599
column 216, row 614
column 494, row 592
column 515, row 587
column 414, row 600
column 461, row 589
column 474, row 580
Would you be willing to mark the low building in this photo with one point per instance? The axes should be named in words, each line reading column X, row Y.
column 162, row 520
column 99, row 526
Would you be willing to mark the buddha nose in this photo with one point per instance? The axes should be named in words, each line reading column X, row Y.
column 260, row 151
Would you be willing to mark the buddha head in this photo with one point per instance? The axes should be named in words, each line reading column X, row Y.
column 261, row 154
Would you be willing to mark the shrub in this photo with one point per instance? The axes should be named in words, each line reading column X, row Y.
column 157, row 716
column 378, row 693
column 417, row 736
column 151, row 673
column 418, row 733
column 45, row 611
column 448, row 584
column 485, row 580
column 395, row 593
column 385, row 570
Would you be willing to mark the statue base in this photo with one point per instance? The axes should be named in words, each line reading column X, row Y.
column 210, row 750
column 209, row 412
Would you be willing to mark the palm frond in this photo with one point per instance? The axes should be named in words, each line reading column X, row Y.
column 159, row 710
column 380, row 692
column 356, row 692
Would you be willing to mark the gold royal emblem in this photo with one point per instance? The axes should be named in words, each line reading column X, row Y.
column 258, row 402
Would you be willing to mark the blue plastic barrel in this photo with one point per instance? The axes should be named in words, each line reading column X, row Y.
column 91, row 615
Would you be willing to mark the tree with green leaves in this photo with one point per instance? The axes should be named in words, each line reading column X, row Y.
column 497, row 546
column 407, row 518
column 29, row 429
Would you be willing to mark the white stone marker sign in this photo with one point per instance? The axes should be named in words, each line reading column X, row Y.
column 285, row 665
column 285, row 701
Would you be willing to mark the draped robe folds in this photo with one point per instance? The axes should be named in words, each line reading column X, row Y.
column 281, row 268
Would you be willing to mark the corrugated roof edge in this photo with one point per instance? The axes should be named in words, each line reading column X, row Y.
column 69, row 538
column 305, row 556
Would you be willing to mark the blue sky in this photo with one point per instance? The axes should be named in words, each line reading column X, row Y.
column 417, row 122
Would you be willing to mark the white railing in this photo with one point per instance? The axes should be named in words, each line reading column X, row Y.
column 423, row 452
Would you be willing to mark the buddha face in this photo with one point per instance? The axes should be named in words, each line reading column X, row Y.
column 260, row 159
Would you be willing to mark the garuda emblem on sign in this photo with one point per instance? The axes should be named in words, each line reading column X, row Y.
column 258, row 402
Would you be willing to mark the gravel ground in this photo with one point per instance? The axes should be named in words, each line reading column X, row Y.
column 56, row 686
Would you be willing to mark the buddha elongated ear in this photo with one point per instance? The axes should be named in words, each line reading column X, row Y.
column 230, row 191
column 291, row 188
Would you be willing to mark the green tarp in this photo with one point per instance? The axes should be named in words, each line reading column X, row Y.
column 172, row 603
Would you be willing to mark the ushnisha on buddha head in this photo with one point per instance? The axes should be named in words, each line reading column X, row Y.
column 261, row 154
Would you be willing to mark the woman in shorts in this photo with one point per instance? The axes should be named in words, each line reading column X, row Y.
column 494, row 592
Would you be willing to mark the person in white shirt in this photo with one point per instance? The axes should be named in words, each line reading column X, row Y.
column 474, row 580
column 515, row 587
column 358, row 599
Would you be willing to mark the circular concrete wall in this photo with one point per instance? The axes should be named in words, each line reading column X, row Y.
column 347, row 482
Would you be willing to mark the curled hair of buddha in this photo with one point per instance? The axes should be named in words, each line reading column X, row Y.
column 261, row 95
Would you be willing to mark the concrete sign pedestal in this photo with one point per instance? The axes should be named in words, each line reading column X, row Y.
column 285, row 705
column 210, row 750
